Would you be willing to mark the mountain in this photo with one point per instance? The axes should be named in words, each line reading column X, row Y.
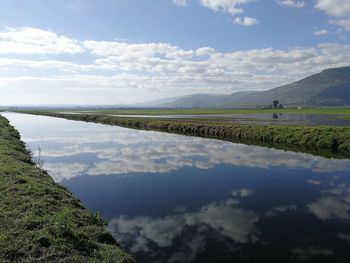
column 331, row 87
column 163, row 101
column 206, row 100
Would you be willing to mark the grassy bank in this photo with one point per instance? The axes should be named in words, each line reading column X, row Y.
column 40, row 221
column 321, row 140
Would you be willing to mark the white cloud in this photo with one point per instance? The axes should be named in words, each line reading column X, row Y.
column 336, row 8
column 246, row 21
column 344, row 23
column 291, row 3
column 321, row 32
column 204, row 51
column 126, row 51
column 27, row 40
column 180, row 2
column 58, row 65
column 154, row 70
column 232, row 7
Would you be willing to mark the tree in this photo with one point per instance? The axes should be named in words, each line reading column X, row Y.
column 280, row 106
column 275, row 103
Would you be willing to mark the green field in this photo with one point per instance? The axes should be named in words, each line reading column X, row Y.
column 40, row 220
column 345, row 111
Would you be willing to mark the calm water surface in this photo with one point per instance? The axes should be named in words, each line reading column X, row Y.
column 171, row 198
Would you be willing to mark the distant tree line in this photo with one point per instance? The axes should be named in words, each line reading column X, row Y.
column 275, row 105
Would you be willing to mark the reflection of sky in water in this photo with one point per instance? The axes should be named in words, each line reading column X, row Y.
column 171, row 198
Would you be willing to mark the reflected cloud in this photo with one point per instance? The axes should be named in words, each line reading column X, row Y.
column 281, row 209
column 142, row 233
column 305, row 254
column 64, row 171
column 345, row 237
column 120, row 151
column 176, row 232
column 242, row 193
column 175, row 153
column 314, row 182
column 335, row 205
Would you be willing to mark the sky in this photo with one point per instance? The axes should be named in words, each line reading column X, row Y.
column 112, row 52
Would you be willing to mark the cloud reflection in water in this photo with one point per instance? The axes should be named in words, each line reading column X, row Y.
column 151, row 234
column 257, row 207
column 120, row 151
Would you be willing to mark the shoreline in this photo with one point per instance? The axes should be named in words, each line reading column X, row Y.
column 325, row 141
column 40, row 220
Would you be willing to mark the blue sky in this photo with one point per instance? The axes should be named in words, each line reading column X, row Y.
column 125, row 51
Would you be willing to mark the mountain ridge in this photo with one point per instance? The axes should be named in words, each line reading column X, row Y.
column 330, row 87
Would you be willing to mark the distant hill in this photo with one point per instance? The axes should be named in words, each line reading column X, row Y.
column 330, row 87
column 206, row 100
column 164, row 101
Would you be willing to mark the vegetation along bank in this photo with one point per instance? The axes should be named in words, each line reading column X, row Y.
column 321, row 140
column 40, row 220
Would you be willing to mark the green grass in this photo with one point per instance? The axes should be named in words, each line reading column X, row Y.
column 320, row 140
column 213, row 111
column 40, row 221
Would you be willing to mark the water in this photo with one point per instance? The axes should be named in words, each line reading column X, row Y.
column 250, row 118
column 171, row 198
